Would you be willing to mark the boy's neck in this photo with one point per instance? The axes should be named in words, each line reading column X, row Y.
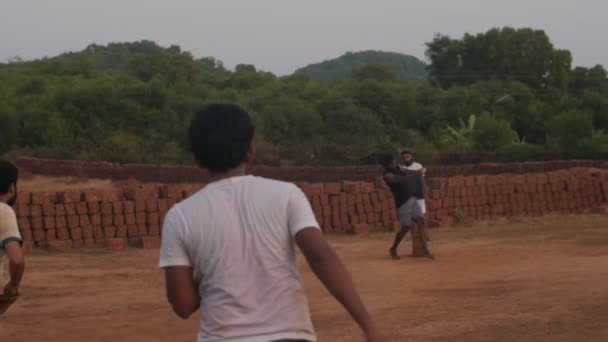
column 240, row 170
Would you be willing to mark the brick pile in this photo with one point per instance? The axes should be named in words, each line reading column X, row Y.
column 483, row 197
column 172, row 174
column 134, row 214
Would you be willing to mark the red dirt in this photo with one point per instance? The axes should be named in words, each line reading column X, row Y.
column 542, row 279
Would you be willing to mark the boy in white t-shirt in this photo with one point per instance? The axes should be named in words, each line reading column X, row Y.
column 229, row 249
column 10, row 237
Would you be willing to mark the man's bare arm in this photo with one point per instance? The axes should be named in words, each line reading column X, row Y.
column 14, row 253
column 328, row 267
column 181, row 291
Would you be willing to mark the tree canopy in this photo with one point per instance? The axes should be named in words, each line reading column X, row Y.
column 506, row 92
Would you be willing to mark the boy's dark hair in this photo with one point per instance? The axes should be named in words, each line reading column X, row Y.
column 8, row 176
column 220, row 136
column 386, row 159
column 406, row 152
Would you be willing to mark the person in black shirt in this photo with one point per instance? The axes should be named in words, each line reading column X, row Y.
column 407, row 188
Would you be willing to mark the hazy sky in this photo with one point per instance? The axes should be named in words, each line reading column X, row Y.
column 282, row 35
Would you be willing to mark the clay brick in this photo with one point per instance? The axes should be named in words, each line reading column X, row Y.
column 154, row 230
column 41, row 198
column 152, row 219
column 70, row 209
column 95, row 219
column 130, row 219
column 73, row 221
column 61, row 222
column 36, row 222
column 59, row 245
column 84, row 220
column 366, row 187
column 91, row 196
column 317, row 188
column 107, row 220
column 60, row 210
column 98, row 233
column 39, row 235
column 111, row 196
column 132, row 231
column 149, row 242
column 26, row 234
column 93, row 208
column 50, row 235
column 48, row 209
column 24, row 198
column 140, row 205
column 129, row 207
column 121, row 231
column 142, row 230
column 351, row 187
column 36, row 210
column 77, row 244
column 107, row 208
column 163, row 205
column 22, row 210
column 115, row 244
column 118, row 220
column 118, row 208
column 49, row 222
column 24, row 223
column 333, row 188
column 70, row 197
column 76, row 233
column 81, row 208
column 140, row 218
column 109, row 232
column 63, row 234
column 151, row 205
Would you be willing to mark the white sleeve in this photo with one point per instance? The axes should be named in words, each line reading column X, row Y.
column 299, row 212
column 9, row 231
column 173, row 249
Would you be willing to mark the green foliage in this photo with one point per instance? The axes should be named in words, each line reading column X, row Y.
column 405, row 67
column 491, row 133
column 519, row 152
column 525, row 55
column 133, row 102
column 566, row 130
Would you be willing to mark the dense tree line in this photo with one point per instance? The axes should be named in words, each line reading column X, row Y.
column 504, row 95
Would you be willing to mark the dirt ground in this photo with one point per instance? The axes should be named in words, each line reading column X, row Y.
column 543, row 279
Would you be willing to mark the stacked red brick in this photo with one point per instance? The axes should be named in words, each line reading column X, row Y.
column 135, row 214
column 351, row 207
column 482, row 197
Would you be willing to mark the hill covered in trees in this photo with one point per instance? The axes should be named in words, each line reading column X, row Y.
column 505, row 94
column 405, row 67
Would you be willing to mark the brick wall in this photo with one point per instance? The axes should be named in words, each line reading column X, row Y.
column 135, row 214
column 188, row 174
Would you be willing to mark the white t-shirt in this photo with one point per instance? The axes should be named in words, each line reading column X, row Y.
column 237, row 234
column 9, row 231
column 415, row 167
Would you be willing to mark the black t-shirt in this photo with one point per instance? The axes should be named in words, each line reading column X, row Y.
column 407, row 185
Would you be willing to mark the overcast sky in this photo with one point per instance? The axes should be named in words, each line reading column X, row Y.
column 282, row 35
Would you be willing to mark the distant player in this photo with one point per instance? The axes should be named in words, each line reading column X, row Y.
column 408, row 189
column 410, row 165
column 10, row 238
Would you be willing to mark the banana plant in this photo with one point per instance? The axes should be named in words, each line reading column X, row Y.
column 463, row 135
